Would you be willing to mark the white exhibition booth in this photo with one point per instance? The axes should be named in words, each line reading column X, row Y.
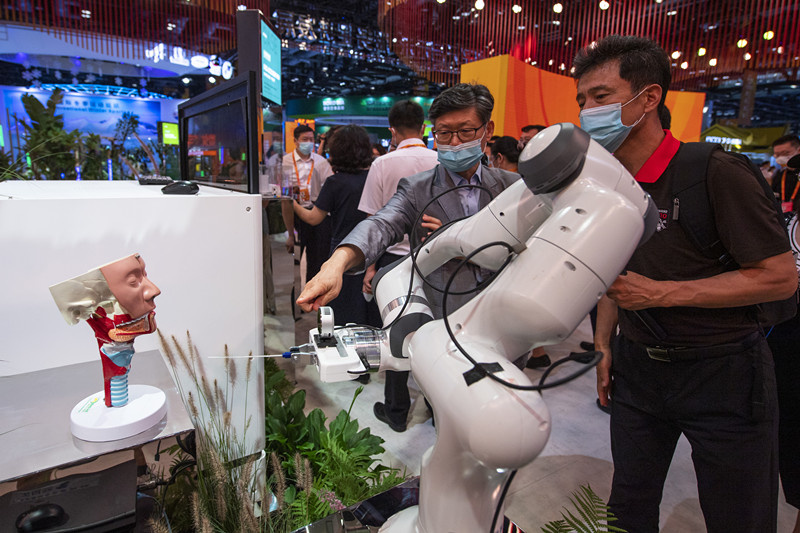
column 203, row 251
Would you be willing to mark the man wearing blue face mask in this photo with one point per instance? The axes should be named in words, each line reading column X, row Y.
column 306, row 171
column 462, row 125
column 691, row 359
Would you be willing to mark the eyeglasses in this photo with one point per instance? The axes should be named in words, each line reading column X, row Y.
column 464, row 134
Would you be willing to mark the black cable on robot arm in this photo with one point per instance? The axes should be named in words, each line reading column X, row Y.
column 542, row 386
column 416, row 250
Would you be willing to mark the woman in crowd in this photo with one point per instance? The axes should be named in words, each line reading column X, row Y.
column 350, row 157
column 505, row 153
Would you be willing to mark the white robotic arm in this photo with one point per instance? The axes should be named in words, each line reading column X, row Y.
column 573, row 222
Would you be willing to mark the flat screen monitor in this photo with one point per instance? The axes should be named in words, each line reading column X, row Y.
column 270, row 64
column 219, row 136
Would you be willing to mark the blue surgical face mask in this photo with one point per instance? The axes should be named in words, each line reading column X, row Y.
column 604, row 124
column 462, row 157
column 305, row 148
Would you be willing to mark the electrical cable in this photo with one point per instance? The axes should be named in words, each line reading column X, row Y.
column 160, row 506
column 502, row 498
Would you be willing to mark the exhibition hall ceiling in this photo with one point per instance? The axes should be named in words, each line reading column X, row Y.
column 340, row 47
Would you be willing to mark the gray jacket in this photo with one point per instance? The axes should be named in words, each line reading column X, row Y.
column 396, row 219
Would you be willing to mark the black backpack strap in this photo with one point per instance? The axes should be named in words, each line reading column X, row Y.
column 691, row 206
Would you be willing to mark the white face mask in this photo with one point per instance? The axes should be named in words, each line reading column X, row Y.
column 604, row 123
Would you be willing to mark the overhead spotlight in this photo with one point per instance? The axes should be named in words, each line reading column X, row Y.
column 186, row 81
column 241, row 7
column 712, row 62
column 685, row 65
column 672, row 13
column 550, row 62
column 212, row 79
column 741, row 43
column 780, row 49
column 557, row 7
column 769, row 35
column 701, row 51
column 705, row 109
column 479, row 4
column 747, row 56
column 516, row 8
column 441, row 1
column 659, row 1
column 676, row 54
column 604, row 5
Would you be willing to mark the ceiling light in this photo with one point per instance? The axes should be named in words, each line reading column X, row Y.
column 701, row 51
column 550, row 62
column 712, row 62
column 780, row 49
column 516, row 8
column 241, row 7
column 741, row 43
column 212, row 79
column 604, row 5
column 769, row 35
column 747, row 56
column 672, row 13
column 685, row 65
column 520, row 28
column 186, row 81
column 479, row 4
column 85, row 13
column 557, row 8
column 441, row 1
column 676, row 54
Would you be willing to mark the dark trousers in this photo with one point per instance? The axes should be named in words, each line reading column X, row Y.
column 395, row 389
column 316, row 241
column 727, row 409
column 784, row 341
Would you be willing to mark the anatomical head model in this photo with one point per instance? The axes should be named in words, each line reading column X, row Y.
column 117, row 301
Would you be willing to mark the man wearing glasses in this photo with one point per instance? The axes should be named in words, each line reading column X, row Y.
column 462, row 125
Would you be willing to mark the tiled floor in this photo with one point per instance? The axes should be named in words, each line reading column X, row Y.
column 578, row 452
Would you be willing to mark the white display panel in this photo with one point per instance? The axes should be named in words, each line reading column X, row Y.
column 203, row 252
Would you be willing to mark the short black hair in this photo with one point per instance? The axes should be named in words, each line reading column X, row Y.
column 530, row 127
column 794, row 140
column 665, row 117
column 406, row 116
column 508, row 147
column 642, row 61
column 301, row 129
column 463, row 96
column 350, row 149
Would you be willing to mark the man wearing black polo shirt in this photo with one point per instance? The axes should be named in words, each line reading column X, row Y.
column 720, row 393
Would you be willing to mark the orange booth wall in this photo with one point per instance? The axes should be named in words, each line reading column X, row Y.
column 526, row 95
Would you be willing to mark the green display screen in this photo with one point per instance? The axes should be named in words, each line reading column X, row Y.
column 168, row 132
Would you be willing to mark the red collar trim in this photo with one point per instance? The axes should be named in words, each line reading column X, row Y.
column 657, row 163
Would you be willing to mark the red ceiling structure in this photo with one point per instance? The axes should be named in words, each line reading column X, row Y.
column 125, row 29
column 709, row 40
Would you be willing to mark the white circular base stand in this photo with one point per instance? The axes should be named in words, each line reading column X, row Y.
column 91, row 420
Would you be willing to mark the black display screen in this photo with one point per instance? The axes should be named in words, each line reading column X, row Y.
column 216, row 145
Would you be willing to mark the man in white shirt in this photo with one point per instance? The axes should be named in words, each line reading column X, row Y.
column 406, row 122
column 304, row 172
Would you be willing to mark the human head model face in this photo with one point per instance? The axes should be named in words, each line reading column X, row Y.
column 127, row 279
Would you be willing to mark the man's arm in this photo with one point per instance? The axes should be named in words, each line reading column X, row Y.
column 774, row 278
column 604, row 331
column 327, row 284
column 313, row 216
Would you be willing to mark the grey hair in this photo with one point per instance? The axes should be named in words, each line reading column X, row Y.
column 463, row 96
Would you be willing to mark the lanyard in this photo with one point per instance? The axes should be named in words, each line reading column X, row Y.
column 297, row 172
column 783, row 187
